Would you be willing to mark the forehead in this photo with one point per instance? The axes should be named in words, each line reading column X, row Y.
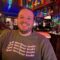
column 26, row 12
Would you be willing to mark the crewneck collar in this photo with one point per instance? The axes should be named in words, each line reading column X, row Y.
column 27, row 34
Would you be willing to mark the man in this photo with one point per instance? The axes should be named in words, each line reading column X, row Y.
column 23, row 44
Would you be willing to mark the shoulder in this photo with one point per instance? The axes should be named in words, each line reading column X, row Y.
column 42, row 39
column 40, row 36
column 6, row 32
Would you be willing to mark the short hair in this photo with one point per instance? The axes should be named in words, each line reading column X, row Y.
column 27, row 9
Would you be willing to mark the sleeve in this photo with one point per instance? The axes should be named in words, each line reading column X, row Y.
column 3, row 37
column 47, row 51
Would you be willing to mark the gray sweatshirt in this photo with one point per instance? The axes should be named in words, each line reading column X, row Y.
column 13, row 46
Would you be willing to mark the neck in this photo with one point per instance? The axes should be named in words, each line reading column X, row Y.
column 25, row 34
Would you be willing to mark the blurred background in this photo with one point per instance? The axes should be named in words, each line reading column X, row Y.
column 47, row 13
column 47, row 18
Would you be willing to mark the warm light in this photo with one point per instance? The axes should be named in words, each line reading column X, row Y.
column 8, row 19
column 47, row 17
column 0, row 14
column 36, row 3
column 35, row 24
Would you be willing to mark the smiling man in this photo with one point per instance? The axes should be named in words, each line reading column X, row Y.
column 23, row 44
column 25, row 21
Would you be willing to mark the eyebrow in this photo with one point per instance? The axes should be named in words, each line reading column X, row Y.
column 20, row 15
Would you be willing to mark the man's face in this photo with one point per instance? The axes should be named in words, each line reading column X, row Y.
column 25, row 20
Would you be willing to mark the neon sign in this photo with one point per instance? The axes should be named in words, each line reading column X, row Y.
column 9, row 3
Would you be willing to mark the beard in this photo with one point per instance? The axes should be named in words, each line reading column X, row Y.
column 25, row 31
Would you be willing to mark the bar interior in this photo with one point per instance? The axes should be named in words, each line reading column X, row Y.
column 47, row 18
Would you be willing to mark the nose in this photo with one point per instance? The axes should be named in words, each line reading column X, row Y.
column 25, row 20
